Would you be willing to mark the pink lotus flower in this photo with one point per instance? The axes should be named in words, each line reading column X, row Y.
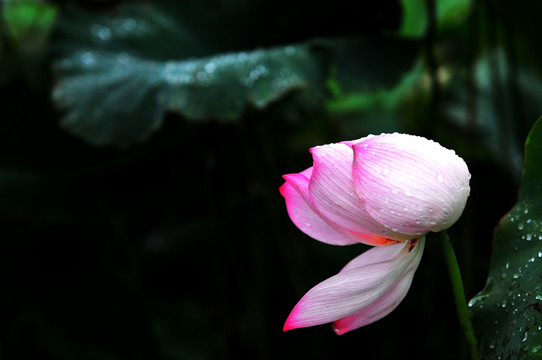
column 387, row 191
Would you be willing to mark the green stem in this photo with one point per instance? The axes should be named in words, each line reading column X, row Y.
column 459, row 293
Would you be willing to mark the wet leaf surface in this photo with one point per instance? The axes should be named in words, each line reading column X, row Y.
column 508, row 311
column 115, row 92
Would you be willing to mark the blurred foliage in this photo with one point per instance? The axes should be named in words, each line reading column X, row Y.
column 141, row 149
column 448, row 13
column 26, row 26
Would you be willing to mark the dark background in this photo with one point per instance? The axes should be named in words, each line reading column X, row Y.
column 179, row 246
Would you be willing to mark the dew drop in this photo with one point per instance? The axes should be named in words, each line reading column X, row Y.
column 88, row 59
column 242, row 56
column 123, row 58
column 520, row 226
column 289, row 50
column 129, row 24
column 209, row 67
column 100, row 33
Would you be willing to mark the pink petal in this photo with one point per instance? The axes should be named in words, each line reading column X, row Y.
column 410, row 184
column 372, row 281
column 385, row 303
column 333, row 194
column 295, row 192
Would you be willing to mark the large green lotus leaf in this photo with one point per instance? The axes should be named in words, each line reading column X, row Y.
column 116, row 85
column 507, row 313
column 118, row 98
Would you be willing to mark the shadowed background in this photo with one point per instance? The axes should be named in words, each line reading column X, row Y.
column 139, row 201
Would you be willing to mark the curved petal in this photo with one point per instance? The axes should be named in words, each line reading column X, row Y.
column 367, row 282
column 385, row 303
column 410, row 184
column 295, row 192
column 332, row 191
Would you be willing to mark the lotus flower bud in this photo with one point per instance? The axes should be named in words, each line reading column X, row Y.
column 378, row 190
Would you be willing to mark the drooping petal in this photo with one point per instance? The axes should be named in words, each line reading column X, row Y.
column 372, row 281
column 295, row 192
column 333, row 194
column 385, row 303
column 408, row 183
